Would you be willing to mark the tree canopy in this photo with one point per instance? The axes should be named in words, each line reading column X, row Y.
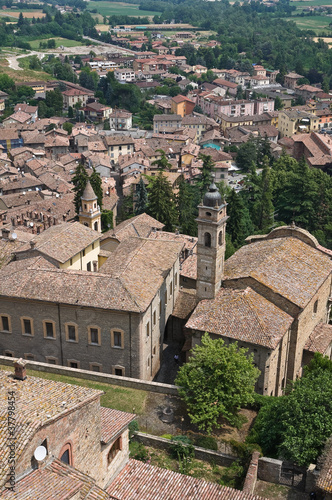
column 161, row 201
column 216, row 382
column 295, row 426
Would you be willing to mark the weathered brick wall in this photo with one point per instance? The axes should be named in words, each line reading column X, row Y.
column 308, row 319
column 251, row 477
column 112, row 469
column 81, row 428
column 81, row 351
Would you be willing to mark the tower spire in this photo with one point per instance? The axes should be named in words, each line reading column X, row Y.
column 211, row 245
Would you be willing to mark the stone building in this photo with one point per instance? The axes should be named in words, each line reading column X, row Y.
column 68, row 447
column 86, row 445
column 272, row 296
column 112, row 320
column 90, row 214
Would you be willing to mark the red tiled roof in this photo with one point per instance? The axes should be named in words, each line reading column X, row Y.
column 57, row 481
column 241, row 315
column 141, row 481
column 320, row 339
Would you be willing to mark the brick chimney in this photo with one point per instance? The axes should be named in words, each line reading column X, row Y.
column 20, row 369
column 32, row 244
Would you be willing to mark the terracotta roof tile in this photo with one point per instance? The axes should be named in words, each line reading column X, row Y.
column 38, row 402
column 287, row 266
column 141, row 481
column 320, row 339
column 113, row 422
column 63, row 241
column 241, row 315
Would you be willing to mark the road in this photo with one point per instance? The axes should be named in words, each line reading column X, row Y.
column 102, row 48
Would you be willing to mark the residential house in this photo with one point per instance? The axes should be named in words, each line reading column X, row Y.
column 166, row 122
column 73, row 96
column 120, row 119
column 124, row 75
column 118, row 145
column 17, row 118
column 97, row 112
column 181, row 105
column 290, row 80
column 294, row 121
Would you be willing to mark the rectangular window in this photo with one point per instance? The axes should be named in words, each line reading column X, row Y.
column 49, row 329
column 71, row 333
column 170, row 288
column 88, row 266
column 29, row 357
column 5, row 324
column 95, row 367
column 117, row 339
column 175, row 280
column 118, row 372
column 83, row 252
column 165, row 297
column 94, row 335
column 73, row 364
column 160, row 308
column 148, row 329
column 27, row 326
column 154, row 317
column 93, row 246
column 71, row 262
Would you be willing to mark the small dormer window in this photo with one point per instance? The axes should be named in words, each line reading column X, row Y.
column 208, row 214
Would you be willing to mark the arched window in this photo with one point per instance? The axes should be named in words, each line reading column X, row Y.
column 220, row 238
column 207, row 239
column 96, row 226
column 66, row 455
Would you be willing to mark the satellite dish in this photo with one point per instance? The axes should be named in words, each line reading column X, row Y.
column 24, row 192
column 31, row 224
column 40, row 453
column 14, row 236
column 57, row 195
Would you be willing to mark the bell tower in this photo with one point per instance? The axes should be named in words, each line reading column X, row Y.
column 211, row 243
column 90, row 215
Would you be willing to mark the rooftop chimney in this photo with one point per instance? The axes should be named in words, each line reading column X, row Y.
column 20, row 369
column 32, row 244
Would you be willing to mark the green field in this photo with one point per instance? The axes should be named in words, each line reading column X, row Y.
column 300, row 4
column 120, row 9
column 119, row 398
column 58, row 41
column 315, row 23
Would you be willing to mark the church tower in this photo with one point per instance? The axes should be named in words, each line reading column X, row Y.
column 90, row 214
column 211, row 243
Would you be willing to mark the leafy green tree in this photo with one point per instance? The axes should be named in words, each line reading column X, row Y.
column 278, row 104
column 68, row 127
column 79, row 180
column 51, row 43
column 70, row 112
column 247, row 155
column 161, row 201
column 106, row 220
column 6, row 83
column 239, row 224
column 216, row 382
column 186, row 208
column 96, row 184
column 141, row 197
column 206, row 174
column 295, row 426
column 162, row 163
column 263, row 209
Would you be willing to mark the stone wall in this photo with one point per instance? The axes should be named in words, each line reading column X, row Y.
column 104, row 378
column 200, row 453
column 251, row 477
column 269, row 469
